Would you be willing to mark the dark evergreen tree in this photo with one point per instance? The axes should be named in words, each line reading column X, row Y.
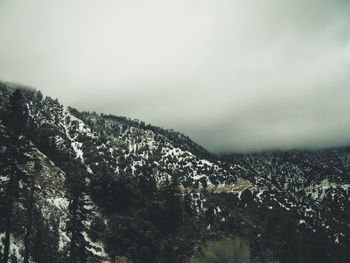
column 16, row 117
column 12, row 159
column 173, row 205
column 189, row 206
column 133, row 238
column 30, row 205
column 45, row 239
column 76, row 184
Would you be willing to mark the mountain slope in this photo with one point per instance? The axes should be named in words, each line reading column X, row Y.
column 107, row 186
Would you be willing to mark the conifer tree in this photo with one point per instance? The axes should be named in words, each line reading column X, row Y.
column 188, row 205
column 45, row 238
column 11, row 161
column 16, row 117
column 30, row 205
column 173, row 205
column 77, row 214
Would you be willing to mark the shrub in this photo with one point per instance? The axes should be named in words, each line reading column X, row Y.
column 229, row 250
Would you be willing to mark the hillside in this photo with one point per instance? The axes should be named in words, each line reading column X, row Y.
column 87, row 187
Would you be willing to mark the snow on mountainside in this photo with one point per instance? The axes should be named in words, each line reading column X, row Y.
column 234, row 193
column 314, row 184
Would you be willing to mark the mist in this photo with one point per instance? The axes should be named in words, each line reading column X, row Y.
column 233, row 75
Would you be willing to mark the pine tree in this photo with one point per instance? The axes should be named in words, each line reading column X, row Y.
column 188, row 205
column 11, row 161
column 78, row 213
column 173, row 205
column 11, row 190
column 45, row 238
column 30, row 204
column 16, row 117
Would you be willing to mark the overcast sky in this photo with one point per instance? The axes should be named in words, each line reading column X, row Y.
column 233, row 75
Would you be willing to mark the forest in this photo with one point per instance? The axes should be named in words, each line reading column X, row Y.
column 85, row 187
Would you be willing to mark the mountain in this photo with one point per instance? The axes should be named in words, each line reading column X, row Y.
column 87, row 187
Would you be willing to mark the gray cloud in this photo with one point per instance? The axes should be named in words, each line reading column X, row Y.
column 233, row 75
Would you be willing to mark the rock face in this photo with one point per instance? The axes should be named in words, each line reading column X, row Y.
column 90, row 187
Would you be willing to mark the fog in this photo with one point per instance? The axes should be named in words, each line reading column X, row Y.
column 233, row 75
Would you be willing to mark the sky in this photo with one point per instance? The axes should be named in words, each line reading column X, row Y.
column 233, row 75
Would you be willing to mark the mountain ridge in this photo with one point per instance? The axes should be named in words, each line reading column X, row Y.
column 104, row 159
